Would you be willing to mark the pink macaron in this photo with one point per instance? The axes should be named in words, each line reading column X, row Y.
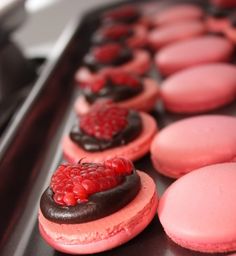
column 145, row 100
column 109, row 131
column 178, row 31
column 198, row 210
column 134, row 36
column 230, row 31
column 217, row 19
column 127, row 14
column 181, row 12
column 193, row 52
column 193, row 143
column 86, row 220
column 217, row 25
column 139, row 64
column 200, row 89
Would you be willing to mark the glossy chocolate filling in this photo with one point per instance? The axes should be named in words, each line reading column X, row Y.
column 92, row 144
column 99, row 38
column 113, row 92
column 98, row 206
column 94, row 65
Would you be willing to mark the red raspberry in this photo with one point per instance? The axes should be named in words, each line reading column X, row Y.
column 119, row 165
column 107, row 53
column 116, row 31
column 74, row 183
column 123, row 78
column 104, row 121
column 96, row 84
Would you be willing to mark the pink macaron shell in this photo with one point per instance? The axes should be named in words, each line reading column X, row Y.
column 139, row 65
column 193, row 52
column 198, row 210
column 193, row 143
column 200, row 89
column 178, row 31
column 108, row 232
column 217, row 25
column 133, row 150
column 180, row 12
column 139, row 38
column 145, row 101
column 230, row 32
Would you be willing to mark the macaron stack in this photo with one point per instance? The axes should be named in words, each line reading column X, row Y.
column 98, row 200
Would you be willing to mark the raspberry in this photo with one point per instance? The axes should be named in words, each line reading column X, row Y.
column 96, row 84
column 107, row 53
column 74, row 183
column 118, row 78
column 104, row 121
column 123, row 78
column 119, row 165
column 116, row 31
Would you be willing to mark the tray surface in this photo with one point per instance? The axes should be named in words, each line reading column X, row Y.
column 22, row 238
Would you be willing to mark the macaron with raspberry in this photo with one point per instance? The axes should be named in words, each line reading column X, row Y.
column 193, row 52
column 109, row 130
column 180, row 12
column 127, row 14
column 125, row 89
column 133, row 36
column 77, row 211
column 110, row 56
column 172, row 33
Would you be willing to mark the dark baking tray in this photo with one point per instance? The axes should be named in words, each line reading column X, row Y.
column 30, row 151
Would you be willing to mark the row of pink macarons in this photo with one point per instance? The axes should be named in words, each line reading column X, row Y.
column 181, row 92
column 201, row 201
column 188, row 145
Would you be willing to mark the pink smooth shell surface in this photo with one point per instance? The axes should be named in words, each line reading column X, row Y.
column 198, row 210
column 181, row 12
column 200, row 88
column 193, row 143
column 178, row 31
column 193, row 52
